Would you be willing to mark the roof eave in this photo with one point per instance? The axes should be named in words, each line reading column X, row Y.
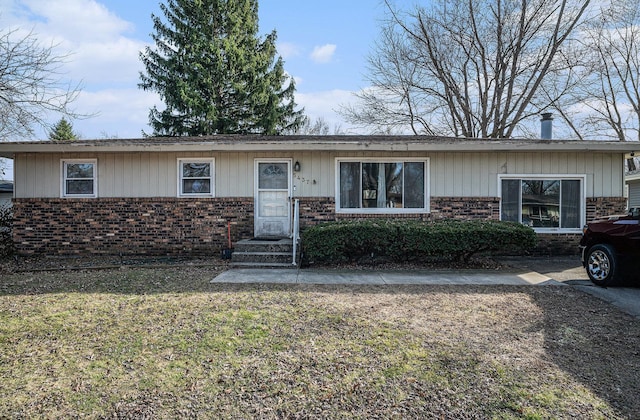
column 342, row 144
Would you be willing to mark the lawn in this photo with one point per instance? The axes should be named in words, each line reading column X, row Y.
column 166, row 343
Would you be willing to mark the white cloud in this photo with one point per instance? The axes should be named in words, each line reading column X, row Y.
column 298, row 80
column 116, row 61
column 288, row 50
column 323, row 53
column 101, row 54
column 122, row 113
column 85, row 20
column 91, row 37
column 325, row 105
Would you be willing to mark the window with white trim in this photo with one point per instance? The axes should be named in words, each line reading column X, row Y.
column 79, row 178
column 382, row 186
column 195, row 177
column 544, row 203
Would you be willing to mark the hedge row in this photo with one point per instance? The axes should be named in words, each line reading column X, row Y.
column 6, row 224
column 413, row 241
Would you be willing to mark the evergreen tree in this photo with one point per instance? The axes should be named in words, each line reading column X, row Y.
column 63, row 130
column 214, row 73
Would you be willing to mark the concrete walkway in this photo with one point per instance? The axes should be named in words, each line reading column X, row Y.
column 314, row 276
column 516, row 271
column 566, row 271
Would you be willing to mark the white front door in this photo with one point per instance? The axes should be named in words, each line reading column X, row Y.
column 272, row 198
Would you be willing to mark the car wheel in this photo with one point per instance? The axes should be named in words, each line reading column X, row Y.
column 602, row 265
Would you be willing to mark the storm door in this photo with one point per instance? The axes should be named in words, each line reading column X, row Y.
column 272, row 199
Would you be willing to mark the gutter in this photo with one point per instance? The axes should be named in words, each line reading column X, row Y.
column 317, row 143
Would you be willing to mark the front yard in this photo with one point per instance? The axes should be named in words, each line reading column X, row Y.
column 166, row 343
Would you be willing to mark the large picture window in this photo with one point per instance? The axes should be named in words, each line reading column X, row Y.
column 196, row 177
column 79, row 178
column 382, row 186
column 543, row 203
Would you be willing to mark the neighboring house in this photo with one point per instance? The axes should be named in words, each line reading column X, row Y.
column 6, row 193
column 179, row 195
column 632, row 181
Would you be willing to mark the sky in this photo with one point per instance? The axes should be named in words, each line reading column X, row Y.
column 324, row 44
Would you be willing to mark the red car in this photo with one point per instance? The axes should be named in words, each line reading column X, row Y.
column 611, row 248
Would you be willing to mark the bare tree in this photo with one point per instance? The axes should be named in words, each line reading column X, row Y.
column 612, row 95
column 472, row 68
column 31, row 85
column 317, row 127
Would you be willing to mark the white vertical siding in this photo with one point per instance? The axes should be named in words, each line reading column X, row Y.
column 36, row 176
column 454, row 174
column 234, row 175
column 316, row 176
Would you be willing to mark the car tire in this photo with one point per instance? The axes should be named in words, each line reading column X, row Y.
column 602, row 265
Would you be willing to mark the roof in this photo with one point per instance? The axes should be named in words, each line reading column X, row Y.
column 633, row 176
column 259, row 143
column 6, row 187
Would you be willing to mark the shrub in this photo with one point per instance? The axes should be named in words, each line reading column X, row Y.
column 413, row 241
column 6, row 225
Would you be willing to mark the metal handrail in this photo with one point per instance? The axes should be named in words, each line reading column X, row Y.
column 296, row 229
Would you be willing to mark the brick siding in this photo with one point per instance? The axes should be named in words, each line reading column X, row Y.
column 198, row 226
column 465, row 208
column 550, row 244
column 605, row 206
column 140, row 226
column 314, row 210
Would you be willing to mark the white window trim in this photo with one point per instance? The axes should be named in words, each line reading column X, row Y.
column 63, row 178
column 551, row 177
column 383, row 159
column 212, row 176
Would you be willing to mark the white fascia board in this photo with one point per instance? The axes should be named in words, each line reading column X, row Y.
column 328, row 143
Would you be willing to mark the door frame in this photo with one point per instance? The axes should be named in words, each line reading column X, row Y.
column 256, row 191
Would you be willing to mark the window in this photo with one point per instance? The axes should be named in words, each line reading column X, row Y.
column 543, row 203
column 382, row 186
column 79, row 178
column 196, row 177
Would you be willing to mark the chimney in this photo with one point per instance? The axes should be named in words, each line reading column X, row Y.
column 546, row 126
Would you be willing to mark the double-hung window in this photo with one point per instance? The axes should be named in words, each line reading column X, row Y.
column 382, row 185
column 546, row 203
column 196, row 177
column 79, row 178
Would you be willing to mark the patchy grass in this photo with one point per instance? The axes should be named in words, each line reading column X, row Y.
column 165, row 343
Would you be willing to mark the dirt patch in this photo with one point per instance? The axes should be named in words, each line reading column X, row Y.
column 55, row 263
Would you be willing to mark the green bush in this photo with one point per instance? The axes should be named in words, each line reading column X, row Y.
column 413, row 241
column 6, row 225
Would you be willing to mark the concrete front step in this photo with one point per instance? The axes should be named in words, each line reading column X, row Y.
column 261, row 265
column 278, row 257
column 263, row 253
column 257, row 245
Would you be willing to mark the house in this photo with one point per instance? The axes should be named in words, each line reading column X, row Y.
column 185, row 195
column 6, row 193
column 632, row 181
